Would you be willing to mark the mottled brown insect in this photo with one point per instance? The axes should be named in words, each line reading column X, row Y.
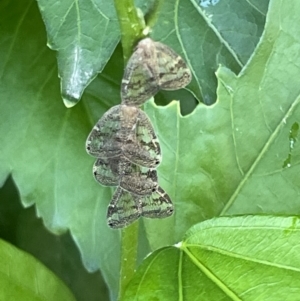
column 152, row 66
column 126, row 207
column 118, row 171
column 125, row 131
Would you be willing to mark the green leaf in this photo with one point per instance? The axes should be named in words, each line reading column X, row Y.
column 239, row 23
column 21, row 227
column 241, row 258
column 24, row 278
column 84, row 33
column 43, row 143
column 208, row 35
column 229, row 158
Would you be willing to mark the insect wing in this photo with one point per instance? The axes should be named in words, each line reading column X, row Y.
column 157, row 205
column 123, row 209
column 173, row 72
column 106, row 172
column 152, row 66
column 102, row 141
column 144, row 149
column 139, row 180
column 139, row 82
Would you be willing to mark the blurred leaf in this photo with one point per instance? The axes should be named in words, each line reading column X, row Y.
column 24, row 278
column 22, row 228
column 242, row 258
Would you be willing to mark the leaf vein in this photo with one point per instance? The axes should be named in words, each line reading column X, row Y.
column 260, row 155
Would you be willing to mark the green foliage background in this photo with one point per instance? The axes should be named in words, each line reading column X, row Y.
column 238, row 156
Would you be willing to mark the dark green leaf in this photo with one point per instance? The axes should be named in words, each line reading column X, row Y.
column 239, row 24
column 208, row 35
column 43, row 143
column 84, row 34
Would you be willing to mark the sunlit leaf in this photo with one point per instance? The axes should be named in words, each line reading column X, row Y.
column 229, row 158
column 242, row 258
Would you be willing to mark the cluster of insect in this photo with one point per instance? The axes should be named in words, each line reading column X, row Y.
column 124, row 141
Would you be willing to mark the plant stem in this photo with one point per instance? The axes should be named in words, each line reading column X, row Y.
column 131, row 25
column 129, row 242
